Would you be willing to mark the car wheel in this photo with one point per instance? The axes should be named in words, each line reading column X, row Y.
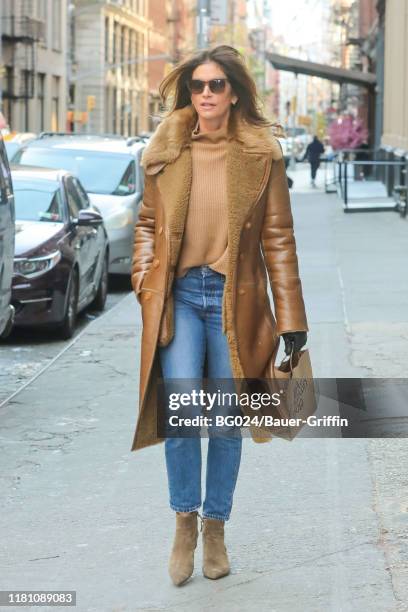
column 67, row 327
column 99, row 301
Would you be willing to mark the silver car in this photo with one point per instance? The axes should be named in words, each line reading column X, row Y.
column 109, row 169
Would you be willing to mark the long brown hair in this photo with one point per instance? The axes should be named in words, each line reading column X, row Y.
column 174, row 86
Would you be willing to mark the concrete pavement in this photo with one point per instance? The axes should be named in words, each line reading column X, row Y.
column 317, row 525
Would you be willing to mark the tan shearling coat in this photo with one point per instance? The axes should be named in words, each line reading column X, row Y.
column 261, row 245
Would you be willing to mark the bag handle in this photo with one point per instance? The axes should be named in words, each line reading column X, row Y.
column 291, row 360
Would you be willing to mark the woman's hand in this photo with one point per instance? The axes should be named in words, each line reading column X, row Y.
column 297, row 338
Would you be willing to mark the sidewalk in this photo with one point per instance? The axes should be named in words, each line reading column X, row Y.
column 353, row 269
column 317, row 525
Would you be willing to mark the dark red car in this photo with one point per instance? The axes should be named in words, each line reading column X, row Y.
column 61, row 250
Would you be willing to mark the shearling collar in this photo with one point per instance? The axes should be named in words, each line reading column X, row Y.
column 174, row 132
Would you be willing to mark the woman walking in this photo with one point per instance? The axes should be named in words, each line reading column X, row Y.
column 214, row 223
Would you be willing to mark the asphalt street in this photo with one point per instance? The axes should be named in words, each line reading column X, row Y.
column 317, row 525
column 27, row 351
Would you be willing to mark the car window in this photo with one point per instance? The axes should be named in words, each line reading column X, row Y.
column 127, row 183
column 99, row 172
column 82, row 193
column 12, row 148
column 75, row 203
column 37, row 200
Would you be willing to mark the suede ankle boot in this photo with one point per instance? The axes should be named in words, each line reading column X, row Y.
column 215, row 558
column 181, row 562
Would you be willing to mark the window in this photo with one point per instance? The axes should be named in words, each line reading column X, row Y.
column 137, row 55
column 107, row 32
column 115, row 110
column 55, row 103
column 56, row 25
column 122, row 109
column 27, row 78
column 41, row 13
column 115, row 43
column 37, row 200
column 41, row 100
column 133, row 55
column 28, row 8
column 7, row 11
column 127, row 183
column 8, row 105
column 99, row 172
column 129, row 121
column 122, row 46
column 42, row 9
column 128, row 52
column 135, row 111
column 108, row 112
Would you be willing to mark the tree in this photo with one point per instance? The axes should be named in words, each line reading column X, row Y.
column 347, row 133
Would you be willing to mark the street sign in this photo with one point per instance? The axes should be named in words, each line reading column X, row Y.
column 218, row 12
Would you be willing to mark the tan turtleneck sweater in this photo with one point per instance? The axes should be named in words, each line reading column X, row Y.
column 206, row 230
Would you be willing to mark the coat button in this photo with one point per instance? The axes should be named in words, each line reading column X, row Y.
column 156, row 263
column 161, row 229
column 241, row 291
column 248, row 224
column 147, row 295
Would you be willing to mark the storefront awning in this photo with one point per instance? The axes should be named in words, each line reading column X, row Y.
column 340, row 75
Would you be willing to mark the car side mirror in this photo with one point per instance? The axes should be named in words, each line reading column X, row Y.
column 88, row 217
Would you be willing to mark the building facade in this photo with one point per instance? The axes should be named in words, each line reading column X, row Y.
column 160, row 51
column 172, row 37
column 34, row 64
column 395, row 128
column 108, row 75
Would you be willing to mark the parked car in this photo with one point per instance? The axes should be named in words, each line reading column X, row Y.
column 145, row 136
column 109, row 169
column 61, row 251
column 16, row 140
column 6, row 243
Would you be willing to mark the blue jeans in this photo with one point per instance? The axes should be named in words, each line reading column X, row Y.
column 197, row 332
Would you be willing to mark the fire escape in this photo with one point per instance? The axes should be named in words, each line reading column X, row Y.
column 21, row 33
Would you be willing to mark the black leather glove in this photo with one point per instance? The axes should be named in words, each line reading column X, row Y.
column 296, row 338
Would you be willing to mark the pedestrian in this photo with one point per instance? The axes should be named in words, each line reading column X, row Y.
column 365, row 155
column 313, row 152
column 215, row 194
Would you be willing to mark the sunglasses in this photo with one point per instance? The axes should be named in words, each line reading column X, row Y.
column 196, row 86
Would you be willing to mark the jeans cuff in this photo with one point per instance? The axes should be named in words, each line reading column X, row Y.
column 179, row 509
column 216, row 516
